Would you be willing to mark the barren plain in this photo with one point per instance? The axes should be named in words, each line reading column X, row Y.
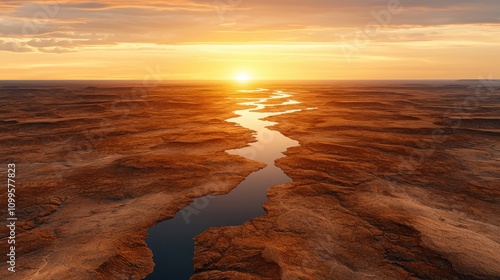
column 390, row 181
column 98, row 166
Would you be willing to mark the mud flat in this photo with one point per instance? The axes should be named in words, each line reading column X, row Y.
column 388, row 183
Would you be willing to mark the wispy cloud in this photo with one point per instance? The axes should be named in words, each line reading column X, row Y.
column 178, row 22
column 66, row 26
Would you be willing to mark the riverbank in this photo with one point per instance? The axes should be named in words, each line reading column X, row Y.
column 98, row 166
column 391, row 181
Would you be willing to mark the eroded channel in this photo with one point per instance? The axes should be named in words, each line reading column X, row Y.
column 172, row 240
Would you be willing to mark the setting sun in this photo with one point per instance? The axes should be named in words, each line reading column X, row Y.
column 242, row 77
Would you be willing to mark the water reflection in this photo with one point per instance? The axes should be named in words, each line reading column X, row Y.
column 172, row 240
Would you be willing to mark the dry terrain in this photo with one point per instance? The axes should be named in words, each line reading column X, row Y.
column 395, row 181
column 98, row 166
column 390, row 182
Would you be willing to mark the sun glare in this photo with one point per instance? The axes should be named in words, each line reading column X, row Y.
column 242, row 77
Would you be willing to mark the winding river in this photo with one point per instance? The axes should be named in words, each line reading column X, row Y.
column 172, row 240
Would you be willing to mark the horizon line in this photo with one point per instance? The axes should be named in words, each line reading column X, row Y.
column 249, row 82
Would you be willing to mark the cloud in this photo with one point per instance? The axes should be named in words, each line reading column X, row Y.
column 72, row 25
column 13, row 46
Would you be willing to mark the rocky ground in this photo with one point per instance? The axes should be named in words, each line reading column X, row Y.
column 390, row 181
column 98, row 166
column 398, row 182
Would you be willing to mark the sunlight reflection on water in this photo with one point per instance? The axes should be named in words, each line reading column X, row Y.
column 172, row 240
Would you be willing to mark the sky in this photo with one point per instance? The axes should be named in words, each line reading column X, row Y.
column 258, row 39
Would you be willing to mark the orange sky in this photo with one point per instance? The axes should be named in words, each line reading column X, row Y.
column 205, row 39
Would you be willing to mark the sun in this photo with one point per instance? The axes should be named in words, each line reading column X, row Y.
column 242, row 77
